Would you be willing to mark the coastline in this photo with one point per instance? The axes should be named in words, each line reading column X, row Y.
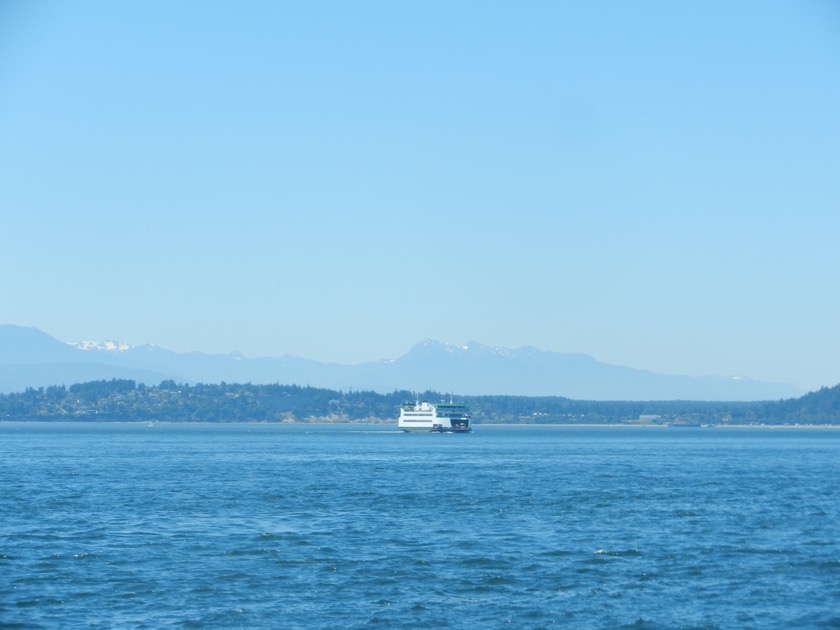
column 616, row 425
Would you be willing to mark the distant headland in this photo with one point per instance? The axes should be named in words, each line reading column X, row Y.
column 126, row 400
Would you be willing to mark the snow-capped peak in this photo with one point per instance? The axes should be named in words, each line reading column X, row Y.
column 100, row 346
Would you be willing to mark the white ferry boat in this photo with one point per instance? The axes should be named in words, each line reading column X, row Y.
column 439, row 418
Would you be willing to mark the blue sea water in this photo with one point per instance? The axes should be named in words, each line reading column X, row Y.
column 349, row 526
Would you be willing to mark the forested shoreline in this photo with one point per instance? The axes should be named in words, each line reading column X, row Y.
column 125, row 400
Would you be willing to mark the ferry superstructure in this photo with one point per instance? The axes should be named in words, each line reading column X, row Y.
column 435, row 418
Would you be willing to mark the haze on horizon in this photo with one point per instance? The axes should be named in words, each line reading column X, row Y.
column 654, row 184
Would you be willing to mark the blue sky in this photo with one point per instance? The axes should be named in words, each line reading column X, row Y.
column 656, row 184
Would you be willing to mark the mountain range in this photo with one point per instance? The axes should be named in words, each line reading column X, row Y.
column 30, row 357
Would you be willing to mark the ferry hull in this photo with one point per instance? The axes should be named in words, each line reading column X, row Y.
column 435, row 429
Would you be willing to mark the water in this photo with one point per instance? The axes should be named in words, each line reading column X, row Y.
column 250, row 526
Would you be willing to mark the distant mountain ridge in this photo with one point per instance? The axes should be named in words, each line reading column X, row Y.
column 30, row 357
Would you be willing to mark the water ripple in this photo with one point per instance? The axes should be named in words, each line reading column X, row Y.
column 272, row 527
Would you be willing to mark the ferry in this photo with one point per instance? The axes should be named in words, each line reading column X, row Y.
column 434, row 418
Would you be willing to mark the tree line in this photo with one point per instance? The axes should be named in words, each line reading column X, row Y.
column 126, row 400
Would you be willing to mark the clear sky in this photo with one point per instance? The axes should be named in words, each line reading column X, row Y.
column 656, row 184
